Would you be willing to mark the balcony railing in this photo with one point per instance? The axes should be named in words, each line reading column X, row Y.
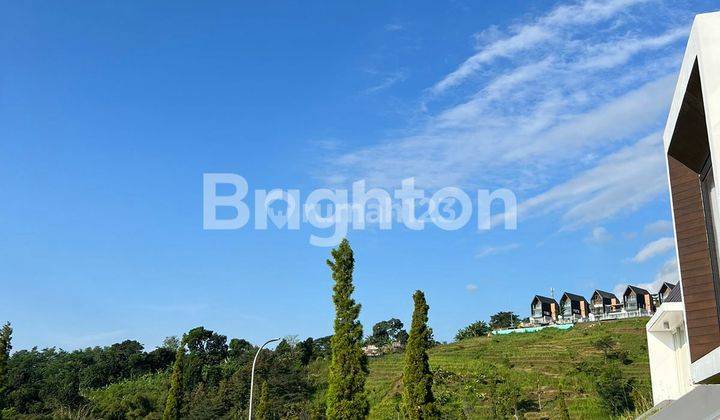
column 622, row 314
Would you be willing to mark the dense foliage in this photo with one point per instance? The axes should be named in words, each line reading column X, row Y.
column 418, row 398
column 386, row 333
column 476, row 329
column 124, row 381
column 346, row 397
column 504, row 320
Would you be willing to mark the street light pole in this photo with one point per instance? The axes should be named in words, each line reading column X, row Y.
column 252, row 375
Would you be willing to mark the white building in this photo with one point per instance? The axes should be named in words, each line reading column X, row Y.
column 684, row 334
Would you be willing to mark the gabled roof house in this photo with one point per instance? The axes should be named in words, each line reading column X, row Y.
column 573, row 306
column 543, row 309
column 664, row 291
column 602, row 303
column 636, row 298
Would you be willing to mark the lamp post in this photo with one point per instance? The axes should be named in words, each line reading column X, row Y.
column 252, row 375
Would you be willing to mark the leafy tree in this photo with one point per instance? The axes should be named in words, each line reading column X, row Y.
column 476, row 329
column 606, row 344
column 305, row 349
column 206, row 344
column 321, row 347
column 615, row 389
column 346, row 398
column 504, row 320
column 387, row 332
column 5, row 347
column 239, row 348
column 418, row 398
column 263, row 407
column 206, row 350
column 175, row 396
column 171, row 343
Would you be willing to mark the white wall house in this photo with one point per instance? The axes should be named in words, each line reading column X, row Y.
column 684, row 334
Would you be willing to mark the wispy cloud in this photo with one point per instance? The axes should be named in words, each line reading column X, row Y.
column 393, row 27
column 567, row 114
column 545, row 29
column 494, row 250
column 654, row 248
column 668, row 273
column 471, row 288
column 388, row 81
column 622, row 181
column 598, row 235
column 611, row 54
column 660, row 226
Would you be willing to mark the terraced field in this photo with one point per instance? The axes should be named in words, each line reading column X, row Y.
column 545, row 366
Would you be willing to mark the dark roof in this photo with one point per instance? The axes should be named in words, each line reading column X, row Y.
column 574, row 297
column 606, row 295
column 674, row 295
column 666, row 285
column 637, row 290
column 544, row 299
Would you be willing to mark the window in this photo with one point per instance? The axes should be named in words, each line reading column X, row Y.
column 631, row 303
column 537, row 310
column 566, row 308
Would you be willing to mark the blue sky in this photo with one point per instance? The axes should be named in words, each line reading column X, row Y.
column 111, row 112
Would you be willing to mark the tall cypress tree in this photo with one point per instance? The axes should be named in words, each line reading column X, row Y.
column 418, row 398
column 5, row 347
column 346, row 398
column 173, row 404
column 263, row 407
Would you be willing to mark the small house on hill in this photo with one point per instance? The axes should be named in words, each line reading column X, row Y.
column 573, row 306
column 638, row 299
column 665, row 290
column 543, row 310
column 604, row 303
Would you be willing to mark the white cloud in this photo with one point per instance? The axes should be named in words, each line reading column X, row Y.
column 657, row 247
column 388, row 81
column 544, row 29
column 494, row 250
column 622, row 181
column 471, row 288
column 668, row 273
column 615, row 53
column 393, row 27
column 660, row 226
column 598, row 235
column 566, row 120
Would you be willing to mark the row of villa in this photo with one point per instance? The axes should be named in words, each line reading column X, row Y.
column 603, row 305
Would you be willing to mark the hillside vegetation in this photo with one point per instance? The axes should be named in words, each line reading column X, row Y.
column 541, row 373
column 590, row 371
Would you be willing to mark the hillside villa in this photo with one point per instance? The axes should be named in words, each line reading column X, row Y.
column 573, row 307
column 604, row 303
column 543, row 310
column 638, row 299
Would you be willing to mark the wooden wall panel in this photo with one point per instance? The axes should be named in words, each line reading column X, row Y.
column 694, row 255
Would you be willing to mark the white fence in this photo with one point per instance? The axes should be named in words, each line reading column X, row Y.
column 545, row 320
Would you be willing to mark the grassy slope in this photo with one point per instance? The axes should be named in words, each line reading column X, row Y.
column 537, row 362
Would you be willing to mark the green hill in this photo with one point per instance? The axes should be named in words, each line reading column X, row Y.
column 469, row 375
column 547, row 374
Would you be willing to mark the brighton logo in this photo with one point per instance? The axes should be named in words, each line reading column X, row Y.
column 338, row 210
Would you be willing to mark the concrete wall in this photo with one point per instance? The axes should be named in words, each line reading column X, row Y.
column 669, row 365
